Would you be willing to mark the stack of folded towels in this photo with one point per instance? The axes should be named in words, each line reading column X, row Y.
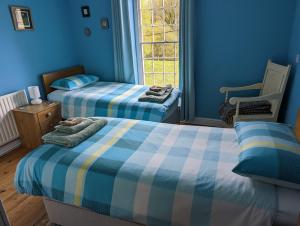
column 73, row 131
column 157, row 94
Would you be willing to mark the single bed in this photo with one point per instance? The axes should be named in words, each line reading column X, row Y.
column 110, row 99
column 145, row 173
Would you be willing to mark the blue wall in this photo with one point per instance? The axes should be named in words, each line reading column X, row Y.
column 94, row 52
column 292, row 100
column 25, row 55
column 234, row 41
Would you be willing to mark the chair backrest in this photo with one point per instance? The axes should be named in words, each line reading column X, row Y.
column 275, row 80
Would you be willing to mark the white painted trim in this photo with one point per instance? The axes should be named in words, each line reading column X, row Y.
column 199, row 121
column 10, row 146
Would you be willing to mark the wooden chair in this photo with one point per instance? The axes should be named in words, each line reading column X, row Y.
column 271, row 89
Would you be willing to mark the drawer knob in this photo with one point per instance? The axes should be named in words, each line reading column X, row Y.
column 49, row 114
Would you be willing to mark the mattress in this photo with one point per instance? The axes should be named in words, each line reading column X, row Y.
column 152, row 174
column 110, row 99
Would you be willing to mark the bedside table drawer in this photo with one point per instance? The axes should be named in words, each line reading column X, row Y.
column 48, row 119
column 33, row 121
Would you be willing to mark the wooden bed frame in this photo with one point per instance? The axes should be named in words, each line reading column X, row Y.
column 50, row 77
column 47, row 79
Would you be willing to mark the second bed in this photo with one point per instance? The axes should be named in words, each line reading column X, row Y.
column 110, row 99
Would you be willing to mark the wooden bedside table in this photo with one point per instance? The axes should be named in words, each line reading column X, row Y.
column 33, row 121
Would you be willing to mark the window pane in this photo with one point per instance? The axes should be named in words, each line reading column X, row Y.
column 158, row 50
column 148, row 66
column 147, row 50
column 159, row 41
column 170, row 3
column 169, row 79
column 158, row 66
column 146, row 17
column 147, row 34
column 159, row 79
column 173, row 2
column 170, row 50
column 171, row 34
column 169, row 66
column 158, row 17
column 146, row 4
column 149, row 79
column 170, row 17
column 157, row 4
column 158, row 34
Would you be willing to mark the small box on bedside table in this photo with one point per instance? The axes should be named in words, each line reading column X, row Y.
column 33, row 121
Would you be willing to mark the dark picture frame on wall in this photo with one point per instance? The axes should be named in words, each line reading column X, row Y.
column 21, row 17
column 85, row 11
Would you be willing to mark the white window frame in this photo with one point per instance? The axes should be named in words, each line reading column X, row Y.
column 142, row 43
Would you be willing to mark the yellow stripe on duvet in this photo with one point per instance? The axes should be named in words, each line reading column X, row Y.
column 284, row 147
column 89, row 161
column 124, row 95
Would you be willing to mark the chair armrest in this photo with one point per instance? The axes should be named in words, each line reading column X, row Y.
column 242, row 88
column 269, row 97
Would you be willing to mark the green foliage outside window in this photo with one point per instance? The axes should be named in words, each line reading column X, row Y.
column 159, row 38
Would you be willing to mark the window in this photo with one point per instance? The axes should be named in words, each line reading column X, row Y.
column 159, row 40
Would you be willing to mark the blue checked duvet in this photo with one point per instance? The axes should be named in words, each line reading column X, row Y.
column 153, row 174
column 111, row 99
